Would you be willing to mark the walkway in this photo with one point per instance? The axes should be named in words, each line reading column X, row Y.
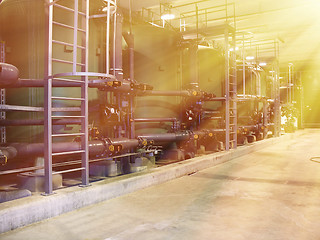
column 270, row 194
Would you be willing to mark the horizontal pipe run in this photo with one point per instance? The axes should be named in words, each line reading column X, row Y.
column 20, row 83
column 36, row 149
column 255, row 127
column 97, row 83
column 6, row 108
column 70, row 163
column 179, row 136
column 167, row 137
column 155, row 120
column 96, row 147
column 37, row 122
column 183, row 93
column 216, row 99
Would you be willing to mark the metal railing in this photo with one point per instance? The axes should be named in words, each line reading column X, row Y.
column 78, row 73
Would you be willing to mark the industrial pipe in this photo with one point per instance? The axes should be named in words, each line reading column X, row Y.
column 96, row 147
column 20, row 83
column 180, row 136
column 155, row 120
column 37, row 122
column 167, row 137
column 116, row 65
column 181, row 93
column 8, row 74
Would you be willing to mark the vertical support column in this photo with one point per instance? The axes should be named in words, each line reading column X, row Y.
column 234, row 91
column 48, row 99
column 3, row 132
column 108, row 40
column 85, row 131
column 243, row 68
column 277, row 109
column 300, row 101
column 75, row 36
column 117, row 61
column 131, row 62
column 193, row 61
column 117, row 46
column 290, row 81
column 84, row 95
column 265, row 117
column 227, row 89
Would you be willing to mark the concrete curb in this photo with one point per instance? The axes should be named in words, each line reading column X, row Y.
column 21, row 212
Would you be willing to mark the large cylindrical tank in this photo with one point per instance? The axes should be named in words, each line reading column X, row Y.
column 23, row 28
column 157, row 64
column 211, row 74
column 163, row 60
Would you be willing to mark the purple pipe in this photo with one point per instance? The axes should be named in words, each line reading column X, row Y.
column 96, row 147
column 37, row 122
column 155, row 120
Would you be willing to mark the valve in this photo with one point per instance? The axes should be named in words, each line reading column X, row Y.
column 111, row 113
column 94, row 133
column 141, row 86
column 143, row 143
column 3, row 159
column 114, row 84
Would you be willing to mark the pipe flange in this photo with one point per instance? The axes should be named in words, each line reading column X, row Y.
column 108, row 146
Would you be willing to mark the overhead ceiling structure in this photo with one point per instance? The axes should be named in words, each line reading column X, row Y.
column 295, row 24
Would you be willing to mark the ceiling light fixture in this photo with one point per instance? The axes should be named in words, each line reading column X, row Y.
column 231, row 49
column 262, row 64
column 167, row 16
column 249, row 57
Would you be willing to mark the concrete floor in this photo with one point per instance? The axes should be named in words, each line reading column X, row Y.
column 270, row 194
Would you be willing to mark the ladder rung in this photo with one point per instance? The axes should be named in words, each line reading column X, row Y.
column 66, row 8
column 68, row 80
column 66, row 44
column 67, row 98
column 67, row 116
column 232, row 132
column 63, row 7
column 66, row 109
column 69, row 170
column 66, row 153
column 67, row 26
column 67, row 134
column 66, row 61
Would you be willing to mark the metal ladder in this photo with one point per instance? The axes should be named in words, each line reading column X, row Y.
column 231, row 88
column 3, row 133
column 77, row 74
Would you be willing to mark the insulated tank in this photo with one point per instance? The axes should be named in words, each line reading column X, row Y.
column 22, row 28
